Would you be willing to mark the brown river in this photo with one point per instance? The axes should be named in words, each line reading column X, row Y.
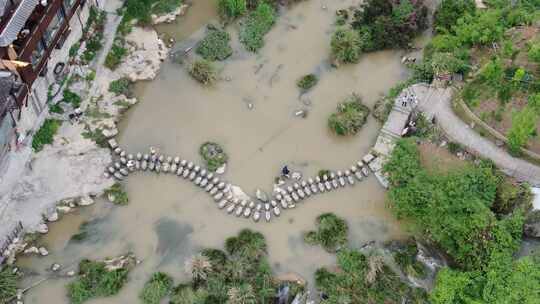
column 168, row 219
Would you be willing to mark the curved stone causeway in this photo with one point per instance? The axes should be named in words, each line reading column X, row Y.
column 231, row 198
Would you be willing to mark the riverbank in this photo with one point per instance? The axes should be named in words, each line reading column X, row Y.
column 70, row 171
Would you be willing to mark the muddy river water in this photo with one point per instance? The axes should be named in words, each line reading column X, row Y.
column 168, row 219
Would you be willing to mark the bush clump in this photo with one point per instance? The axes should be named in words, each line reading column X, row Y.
column 95, row 280
column 331, row 232
column 405, row 258
column 117, row 195
column 121, row 86
column 257, row 24
column 346, row 45
column 449, row 11
column 159, row 286
column 241, row 274
column 231, row 9
column 215, row 46
column 8, row 284
column 350, row 117
column 213, row 154
column 307, row 82
column 45, row 134
column 203, row 71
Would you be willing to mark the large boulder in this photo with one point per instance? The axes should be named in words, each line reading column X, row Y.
column 532, row 224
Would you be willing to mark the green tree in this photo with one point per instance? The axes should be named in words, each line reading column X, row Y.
column 523, row 127
column 534, row 52
column 346, row 45
column 449, row 11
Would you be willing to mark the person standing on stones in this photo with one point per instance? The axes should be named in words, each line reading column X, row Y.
column 285, row 171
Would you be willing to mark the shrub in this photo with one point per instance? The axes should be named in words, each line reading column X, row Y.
column 523, row 127
column 74, row 49
column 115, row 55
column 331, row 232
column 56, row 108
column 231, row 9
column 350, row 117
column 307, row 82
column 345, row 45
column 117, row 195
column 156, row 288
column 213, row 154
column 97, row 136
column 8, row 284
column 121, row 86
column 161, row 7
column 95, row 280
column 215, row 46
column 511, row 196
column 257, row 24
column 203, row 71
column 45, row 134
column 449, row 11
column 73, row 98
column 405, row 258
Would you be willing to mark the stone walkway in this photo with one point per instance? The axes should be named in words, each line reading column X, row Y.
column 437, row 102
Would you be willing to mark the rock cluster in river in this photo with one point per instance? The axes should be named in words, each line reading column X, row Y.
column 229, row 197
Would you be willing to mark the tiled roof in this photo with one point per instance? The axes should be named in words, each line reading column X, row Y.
column 17, row 21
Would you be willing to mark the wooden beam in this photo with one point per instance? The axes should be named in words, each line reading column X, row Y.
column 12, row 54
column 14, row 63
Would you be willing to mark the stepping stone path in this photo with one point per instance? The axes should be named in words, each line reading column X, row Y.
column 259, row 207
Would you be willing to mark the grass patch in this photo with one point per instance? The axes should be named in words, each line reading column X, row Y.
column 45, row 134
column 121, row 86
column 213, row 154
column 351, row 115
column 115, row 55
column 82, row 234
column 257, row 24
column 307, row 82
column 72, row 98
column 117, row 195
column 215, row 45
column 203, row 71
column 95, row 281
column 331, row 232
column 56, row 108
column 97, row 136
column 156, row 288
column 9, row 282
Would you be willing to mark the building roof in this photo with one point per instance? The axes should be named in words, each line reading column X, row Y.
column 3, row 4
column 17, row 21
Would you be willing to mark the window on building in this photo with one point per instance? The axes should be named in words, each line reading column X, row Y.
column 38, row 53
column 68, row 4
column 53, row 27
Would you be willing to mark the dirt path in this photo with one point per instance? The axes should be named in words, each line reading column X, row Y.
column 437, row 102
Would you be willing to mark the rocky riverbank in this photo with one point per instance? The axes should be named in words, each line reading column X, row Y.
column 69, row 172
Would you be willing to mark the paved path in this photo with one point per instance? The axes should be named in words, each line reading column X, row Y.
column 437, row 102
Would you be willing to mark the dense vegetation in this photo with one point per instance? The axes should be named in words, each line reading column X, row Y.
column 454, row 211
column 141, row 11
column 214, row 155
column 215, row 45
column 405, row 258
column 377, row 25
column 72, row 98
column 45, row 134
column 241, row 274
column 203, row 71
column 364, row 278
column 257, row 24
column 93, row 34
column 331, row 232
column 351, row 115
column 95, row 280
column 8, row 284
column 159, row 286
column 231, row 9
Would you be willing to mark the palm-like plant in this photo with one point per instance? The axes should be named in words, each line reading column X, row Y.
column 199, row 267
column 241, row 294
